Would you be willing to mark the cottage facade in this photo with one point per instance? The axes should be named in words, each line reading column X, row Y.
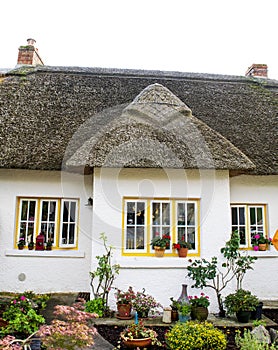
column 134, row 154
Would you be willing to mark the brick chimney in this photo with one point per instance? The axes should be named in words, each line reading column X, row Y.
column 257, row 71
column 29, row 54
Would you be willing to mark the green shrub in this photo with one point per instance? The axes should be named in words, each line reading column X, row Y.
column 195, row 336
column 249, row 342
column 22, row 315
column 95, row 306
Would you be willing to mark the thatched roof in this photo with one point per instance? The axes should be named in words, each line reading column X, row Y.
column 57, row 117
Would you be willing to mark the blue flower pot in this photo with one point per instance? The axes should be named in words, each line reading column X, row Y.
column 183, row 318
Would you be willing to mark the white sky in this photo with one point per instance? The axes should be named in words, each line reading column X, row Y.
column 206, row 36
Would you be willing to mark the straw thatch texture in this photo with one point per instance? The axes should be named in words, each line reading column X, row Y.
column 54, row 116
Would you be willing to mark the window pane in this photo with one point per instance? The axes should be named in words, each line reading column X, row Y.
column 140, row 238
column 32, row 210
column 242, row 235
column 191, row 237
column 252, row 216
column 165, row 213
column 234, row 216
column 66, row 211
column 181, row 234
column 259, row 216
column 190, row 214
column 72, row 211
column 65, row 234
column 181, row 213
column 44, row 211
column 156, row 214
column 24, row 210
column 140, row 213
column 130, row 238
column 71, row 233
column 241, row 216
column 156, row 232
column 130, row 213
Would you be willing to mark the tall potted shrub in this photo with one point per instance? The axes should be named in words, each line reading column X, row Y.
column 211, row 274
column 241, row 303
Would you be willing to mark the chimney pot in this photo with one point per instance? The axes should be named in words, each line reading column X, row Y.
column 31, row 42
column 257, row 70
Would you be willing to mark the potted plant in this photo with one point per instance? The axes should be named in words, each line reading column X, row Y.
column 124, row 301
column 174, row 307
column 200, row 306
column 182, row 247
column 31, row 245
column 159, row 244
column 241, row 303
column 260, row 242
column 137, row 335
column 144, row 304
column 21, row 243
column 49, row 245
column 184, row 310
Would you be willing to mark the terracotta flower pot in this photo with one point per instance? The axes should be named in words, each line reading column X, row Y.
column 159, row 252
column 124, row 310
column 183, row 252
column 134, row 343
column 262, row 246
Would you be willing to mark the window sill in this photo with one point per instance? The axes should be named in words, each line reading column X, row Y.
column 272, row 253
column 140, row 262
column 45, row 253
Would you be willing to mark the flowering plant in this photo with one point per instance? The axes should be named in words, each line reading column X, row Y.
column 21, row 242
column 259, row 238
column 203, row 300
column 195, row 336
column 182, row 244
column 22, row 317
column 143, row 303
column 71, row 333
column 162, row 242
column 125, row 297
column 139, row 331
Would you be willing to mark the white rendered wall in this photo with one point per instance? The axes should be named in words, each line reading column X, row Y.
column 44, row 271
column 263, row 280
column 161, row 277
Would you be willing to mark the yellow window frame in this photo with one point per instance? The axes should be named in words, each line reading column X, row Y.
column 148, row 225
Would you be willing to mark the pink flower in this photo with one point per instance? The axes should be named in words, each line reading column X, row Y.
column 202, row 293
column 257, row 236
column 22, row 297
column 256, row 248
